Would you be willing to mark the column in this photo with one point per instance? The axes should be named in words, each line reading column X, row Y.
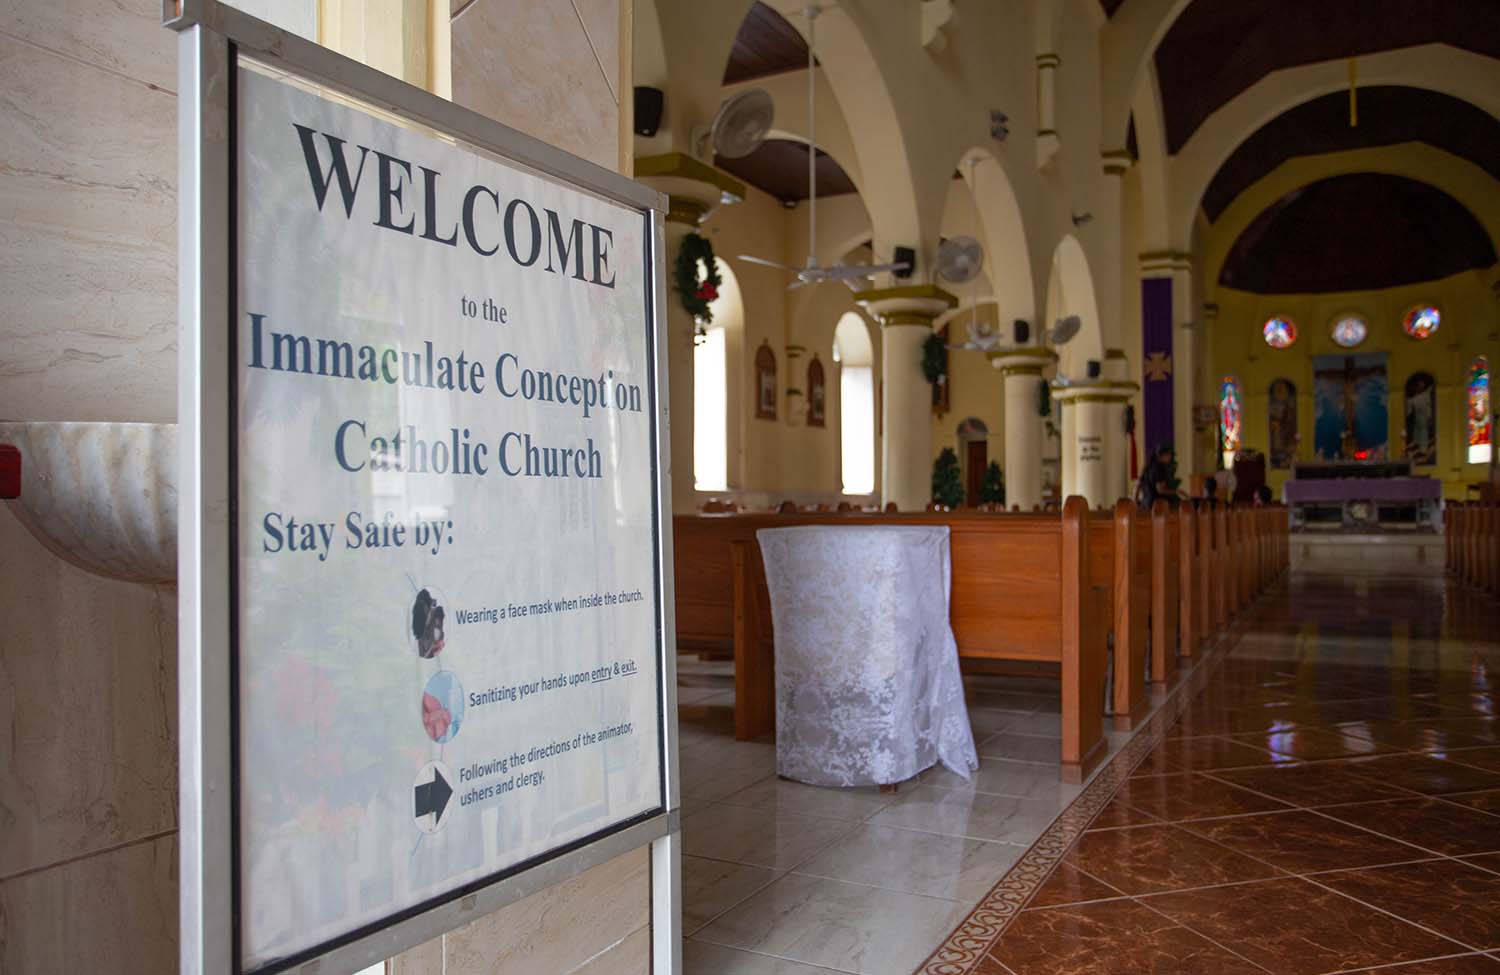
column 1047, row 140
column 693, row 188
column 1093, row 428
column 1166, row 354
column 1021, row 373
column 1116, row 446
column 905, row 315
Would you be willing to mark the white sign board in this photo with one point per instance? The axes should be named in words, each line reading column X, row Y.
column 446, row 583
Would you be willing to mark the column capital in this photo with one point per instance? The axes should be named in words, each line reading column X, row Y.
column 1098, row 391
column 692, row 186
column 1048, row 60
column 1022, row 360
column 1116, row 161
column 1164, row 264
column 913, row 304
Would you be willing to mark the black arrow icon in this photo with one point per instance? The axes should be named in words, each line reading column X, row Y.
column 432, row 797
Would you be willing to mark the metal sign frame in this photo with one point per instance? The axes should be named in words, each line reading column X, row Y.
column 211, row 37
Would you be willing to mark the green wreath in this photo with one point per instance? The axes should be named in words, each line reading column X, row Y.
column 696, row 293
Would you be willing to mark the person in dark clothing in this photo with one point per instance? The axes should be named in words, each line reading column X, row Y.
column 1156, row 479
column 1211, row 493
column 1263, row 496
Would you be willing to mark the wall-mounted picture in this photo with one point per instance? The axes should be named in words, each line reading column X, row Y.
column 1282, row 412
column 1349, row 407
column 765, row 382
column 817, row 389
column 1421, row 418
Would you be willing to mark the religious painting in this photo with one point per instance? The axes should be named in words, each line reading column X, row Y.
column 817, row 389
column 1281, row 408
column 1350, row 400
column 1421, row 418
column 1231, row 418
column 765, row 382
column 1481, row 422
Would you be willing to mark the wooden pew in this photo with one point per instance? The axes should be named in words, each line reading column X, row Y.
column 1190, row 617
column 1120, row 564
column 1020, row 592
column 1166, row 626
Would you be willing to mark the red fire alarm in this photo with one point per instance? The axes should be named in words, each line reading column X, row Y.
column 10, row 472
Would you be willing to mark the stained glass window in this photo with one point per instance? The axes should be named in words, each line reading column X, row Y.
column 1231, row 413
column 1422, row 321
column 1279, row 332
column 1481, row 424
column 1349, row 331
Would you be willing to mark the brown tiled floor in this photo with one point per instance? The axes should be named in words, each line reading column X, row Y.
column 1329, row 803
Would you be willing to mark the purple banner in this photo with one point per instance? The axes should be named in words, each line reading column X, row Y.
column 1156, row 362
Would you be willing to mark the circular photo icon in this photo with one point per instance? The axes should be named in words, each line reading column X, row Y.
column 431, row 791
column 427, row 624
column 443, row 706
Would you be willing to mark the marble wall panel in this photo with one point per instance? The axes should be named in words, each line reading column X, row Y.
column 87, row 240
column 534, row 67
column 114, row 912
column 561, row 928
column 88, row 708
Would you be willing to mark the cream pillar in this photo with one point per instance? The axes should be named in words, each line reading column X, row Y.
column 694, row 189
column 1067, row 448
column 1047, row 140
column 1117, row 442
column 905, row 315
column 1089, row 436
column 1021, row 371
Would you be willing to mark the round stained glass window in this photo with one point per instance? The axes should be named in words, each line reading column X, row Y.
column 1350, row 331
column 1422, row 321
column 1279, row 333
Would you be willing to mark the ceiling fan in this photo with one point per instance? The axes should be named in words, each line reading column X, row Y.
column 960, row 259
column 811, row 273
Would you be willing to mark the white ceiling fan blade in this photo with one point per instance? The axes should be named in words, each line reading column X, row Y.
column 866, row 270
column 800, row 283
column 761, row 260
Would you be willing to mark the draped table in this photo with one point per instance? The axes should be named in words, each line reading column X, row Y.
column 868, row 690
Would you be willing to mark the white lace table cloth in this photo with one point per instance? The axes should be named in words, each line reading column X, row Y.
column 868, row 690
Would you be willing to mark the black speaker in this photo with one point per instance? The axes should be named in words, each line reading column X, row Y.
column 1023, row 331
column 1095, row 368
column 905, row 255
column 648, row 103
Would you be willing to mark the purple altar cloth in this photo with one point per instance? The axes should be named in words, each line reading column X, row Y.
column 1364, row 489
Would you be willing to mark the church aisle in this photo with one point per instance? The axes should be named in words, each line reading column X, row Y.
column 1328, row 802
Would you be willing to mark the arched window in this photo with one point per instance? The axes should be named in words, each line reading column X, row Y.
column 855, row 357
column 1281, row 411
column 1231, row 412
column 1481, row 423
column 1421, row 418
column 710, row 382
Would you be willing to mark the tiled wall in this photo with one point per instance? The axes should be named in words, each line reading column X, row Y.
column 88, row 794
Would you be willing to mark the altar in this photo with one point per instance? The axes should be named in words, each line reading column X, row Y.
column 1363, row 496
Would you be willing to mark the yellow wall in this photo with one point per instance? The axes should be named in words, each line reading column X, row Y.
column 1469, row 328
column 974, row 390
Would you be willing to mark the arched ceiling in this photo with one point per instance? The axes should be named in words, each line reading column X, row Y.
column 779, row 167
column 1387, row 116
column 767, row 44
column 1356, row 232
column 1218, row 48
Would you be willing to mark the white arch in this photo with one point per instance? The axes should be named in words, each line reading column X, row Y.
column 1467, row 183
column 1126, row 45
column 1007, row 254
column 860, row 85
column 1070, row 291
column 1152, row 164
column 1473, row 78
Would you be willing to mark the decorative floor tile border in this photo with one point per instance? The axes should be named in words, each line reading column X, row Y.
column 972, row 940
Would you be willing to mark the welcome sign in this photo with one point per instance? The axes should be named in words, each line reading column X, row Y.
column 445, row 518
